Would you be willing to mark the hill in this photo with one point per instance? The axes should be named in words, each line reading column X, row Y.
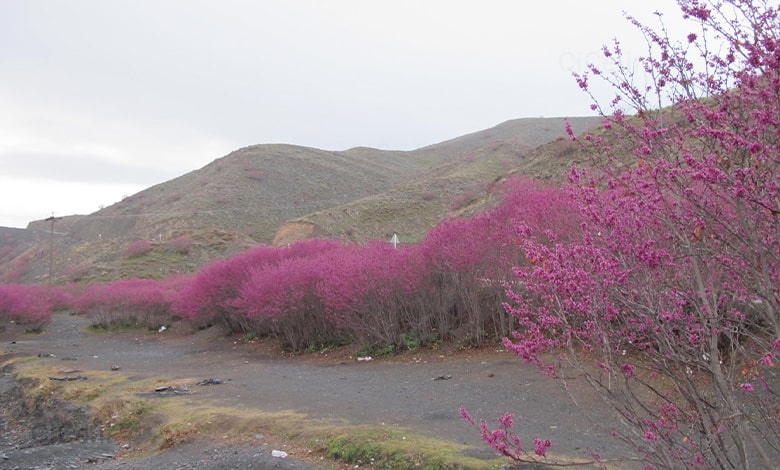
column 279, row 194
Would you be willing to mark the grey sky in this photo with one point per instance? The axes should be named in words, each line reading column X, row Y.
column 100, row 99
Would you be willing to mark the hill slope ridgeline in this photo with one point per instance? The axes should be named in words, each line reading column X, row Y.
column 281, row 193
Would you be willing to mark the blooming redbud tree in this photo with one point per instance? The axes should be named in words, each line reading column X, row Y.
column 668, row 306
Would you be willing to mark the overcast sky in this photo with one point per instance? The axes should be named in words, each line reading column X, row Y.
column 100, row 99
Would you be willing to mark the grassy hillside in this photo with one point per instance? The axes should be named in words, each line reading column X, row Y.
column 280, row 193
column 460, row 173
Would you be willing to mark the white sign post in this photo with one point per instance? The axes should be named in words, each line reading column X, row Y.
column 394, row 240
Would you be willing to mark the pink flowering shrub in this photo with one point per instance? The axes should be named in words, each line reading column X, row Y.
column 181, row 245
column 448, row 287
column 131, row 303
column 283, row 301
column 63, row 297
column 369, row 292
column 25, row 304
column 505, row 441
column 667, row 304
column 214, row 294
column 466, row 263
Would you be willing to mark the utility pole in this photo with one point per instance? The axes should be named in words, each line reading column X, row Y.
column 51, row 219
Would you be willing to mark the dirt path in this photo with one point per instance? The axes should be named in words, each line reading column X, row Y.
column 421, row 393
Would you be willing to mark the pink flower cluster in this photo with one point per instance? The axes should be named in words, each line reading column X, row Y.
column 505, row 441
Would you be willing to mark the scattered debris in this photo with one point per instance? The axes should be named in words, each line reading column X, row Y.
column 99, row 458
column 69, row 358
column 68, row 378
column 279, row 453
column 168, row 390
column 115, row 367
column 442, row 377
column 365, row 359
column 46, row 355
column 162, row 328
column 210, row 381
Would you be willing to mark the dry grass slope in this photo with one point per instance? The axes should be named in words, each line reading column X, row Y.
column 245, row 198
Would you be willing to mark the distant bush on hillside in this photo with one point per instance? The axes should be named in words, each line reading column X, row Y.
column 464, row 199
column 77, row 271
column 19, row 268
column 257, row 175
column 181, row 245
column 138, row 248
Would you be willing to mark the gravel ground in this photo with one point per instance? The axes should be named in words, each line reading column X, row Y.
column 420, row 392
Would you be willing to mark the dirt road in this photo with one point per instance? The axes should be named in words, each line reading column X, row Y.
column 419, row 392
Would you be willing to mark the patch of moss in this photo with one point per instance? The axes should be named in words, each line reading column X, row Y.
column 393, row 449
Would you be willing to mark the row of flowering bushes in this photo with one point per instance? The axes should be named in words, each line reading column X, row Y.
column 448, row 287
column 130, row 303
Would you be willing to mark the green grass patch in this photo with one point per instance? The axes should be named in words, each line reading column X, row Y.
column 376, row 350
column 152, row 265
column 122, row 418
column 393, row 449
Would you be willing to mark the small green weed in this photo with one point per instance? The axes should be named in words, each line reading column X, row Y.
column 326, row 346
column 363, row 450
column 375, row 350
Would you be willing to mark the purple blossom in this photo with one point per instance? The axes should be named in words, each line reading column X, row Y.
column 767, row 359
column 541, row 446
column 506, row 420
column 464, row 414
